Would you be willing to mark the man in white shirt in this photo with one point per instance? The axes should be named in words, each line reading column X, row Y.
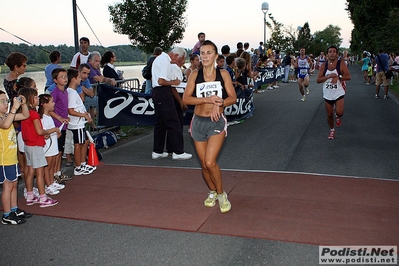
column 166, row 117
column 82, row 56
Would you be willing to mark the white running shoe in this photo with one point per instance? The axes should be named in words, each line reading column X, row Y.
column 58, row 186
column 51, row 190
column 332, row 134
column 183, row 156
column 156, row 156
column 88, row 167
column 224, row 203
column 35, row 192
column 81, row 171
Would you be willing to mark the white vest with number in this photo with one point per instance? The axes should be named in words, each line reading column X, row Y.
column 332, row 91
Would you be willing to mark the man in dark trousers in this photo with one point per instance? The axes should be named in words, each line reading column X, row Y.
column 287, row 66
column 167, row 121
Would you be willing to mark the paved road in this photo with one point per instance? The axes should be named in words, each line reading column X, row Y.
column 285, row 134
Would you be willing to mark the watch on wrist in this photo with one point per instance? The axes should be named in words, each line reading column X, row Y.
column 340, row 77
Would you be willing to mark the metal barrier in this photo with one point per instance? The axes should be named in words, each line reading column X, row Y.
column 132, row 84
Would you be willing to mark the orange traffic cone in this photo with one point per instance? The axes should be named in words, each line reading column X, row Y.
column 93, row 158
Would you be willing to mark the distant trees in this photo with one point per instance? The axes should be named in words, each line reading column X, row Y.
column 375, row 25
column 150, row 23
column 279, row 39
column 39, row 54
column 322, row 39
column 304, row 37
column 42, row 57
column 291, row 39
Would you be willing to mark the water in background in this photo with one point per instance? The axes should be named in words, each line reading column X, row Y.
column 40, row 79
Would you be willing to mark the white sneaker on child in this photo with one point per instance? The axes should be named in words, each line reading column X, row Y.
column 58, row 186
column 51, row 190
column 88, row 167
column 35, row 192
column 81, row 171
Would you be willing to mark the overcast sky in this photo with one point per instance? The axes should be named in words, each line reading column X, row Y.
column 224, row 21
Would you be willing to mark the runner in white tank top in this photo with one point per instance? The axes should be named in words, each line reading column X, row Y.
column 303, row 64
column 332, row 91
column 321, row 59
column 333, row 74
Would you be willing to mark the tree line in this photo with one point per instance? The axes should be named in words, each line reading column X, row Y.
column 162, row 23
column 286, row 38
column 375, row 25
column 39, row 54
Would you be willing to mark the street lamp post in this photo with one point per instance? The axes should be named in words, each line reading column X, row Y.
column 265, row 8
column 298, row 29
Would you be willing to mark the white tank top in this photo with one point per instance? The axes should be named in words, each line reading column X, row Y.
column 332, row 91
column 322, row 59
column 303, row 66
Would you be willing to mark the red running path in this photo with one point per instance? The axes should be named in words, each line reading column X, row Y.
column 292, row 207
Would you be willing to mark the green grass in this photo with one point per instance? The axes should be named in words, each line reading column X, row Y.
column 395, row 87
column 136, row 131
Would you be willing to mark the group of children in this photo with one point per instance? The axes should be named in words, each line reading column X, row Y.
column 44, row 120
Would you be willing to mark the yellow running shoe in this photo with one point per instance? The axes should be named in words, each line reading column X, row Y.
column 211, row 200
column 224, row 203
